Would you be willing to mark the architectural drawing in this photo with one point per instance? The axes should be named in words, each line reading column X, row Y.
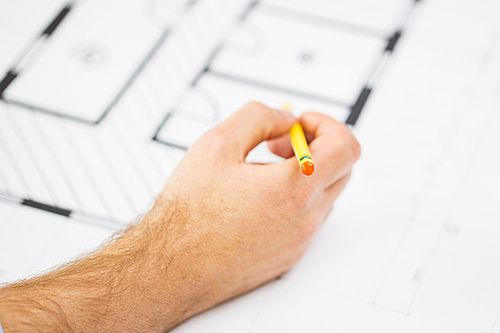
column 101, row 99
column 317, row 60
column 90, row 53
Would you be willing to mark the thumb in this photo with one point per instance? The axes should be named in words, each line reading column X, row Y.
column 253, row 124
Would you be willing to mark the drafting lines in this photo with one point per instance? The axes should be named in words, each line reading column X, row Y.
column 51, row 159
column 68, row 161
column 275, row 54
column 94, row 167
column 88, row 56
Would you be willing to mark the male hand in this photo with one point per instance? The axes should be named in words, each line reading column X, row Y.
column 219, row 228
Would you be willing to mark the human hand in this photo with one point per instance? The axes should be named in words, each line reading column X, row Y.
column 219, row 228
column 249, row 223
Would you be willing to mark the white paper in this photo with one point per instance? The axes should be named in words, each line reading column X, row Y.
column 412, row 245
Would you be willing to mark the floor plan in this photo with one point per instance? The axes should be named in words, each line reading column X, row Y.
column 101, row 99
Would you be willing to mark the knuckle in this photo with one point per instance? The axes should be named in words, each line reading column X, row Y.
column 356, row 148
column 258, row 109
column 352, row 145
column 348, row 144
column 254, row 105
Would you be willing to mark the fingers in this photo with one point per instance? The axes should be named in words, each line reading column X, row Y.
column 333, row 148
column 281, row 146
column 253, row 124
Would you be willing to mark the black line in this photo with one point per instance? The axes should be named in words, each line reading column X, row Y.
column 262, row 85
column 191, row 3
column 393, row 40
column 208, row 63
column 57, row 20
column 47, row 208
column 162, row 125
column 170, row 144
column 321, row 21
column 198, row 76
column 248, row 9
column 163, row 122
column 50, row 112
column 11, row 75
column 10, row 197
column 6, row 81
column 358, row 106
column 138, row 71
column 77, row 216
column 124, row 89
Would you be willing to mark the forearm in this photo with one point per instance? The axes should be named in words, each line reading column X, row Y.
column 22, row 311
column 133, row 284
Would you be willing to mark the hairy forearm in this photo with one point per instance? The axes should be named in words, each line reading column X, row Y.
column 22, row 311
column 135, row 283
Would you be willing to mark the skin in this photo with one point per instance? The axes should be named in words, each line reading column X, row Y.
column 219, row 228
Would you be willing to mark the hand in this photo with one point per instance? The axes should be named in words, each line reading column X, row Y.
column 219, row 228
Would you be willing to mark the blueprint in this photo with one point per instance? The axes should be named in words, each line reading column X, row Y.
column 100, row 99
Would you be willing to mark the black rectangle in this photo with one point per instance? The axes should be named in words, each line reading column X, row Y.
column 393, row 41
column 170, row 144
column 9, row 77
column 47, row 208
column 53, row 25
column 358, row 106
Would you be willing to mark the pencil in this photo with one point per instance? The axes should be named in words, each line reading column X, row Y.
column 300, row 148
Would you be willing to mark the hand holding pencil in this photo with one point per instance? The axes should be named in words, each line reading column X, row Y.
column 239, row 224
column 219, row 228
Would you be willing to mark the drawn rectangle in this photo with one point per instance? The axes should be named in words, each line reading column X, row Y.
column 380, row 15
column 24, row 22
column 331, row 64
column 214, row 99
column 88, row 60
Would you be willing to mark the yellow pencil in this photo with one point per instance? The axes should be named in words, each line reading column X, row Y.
column 300, row 148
